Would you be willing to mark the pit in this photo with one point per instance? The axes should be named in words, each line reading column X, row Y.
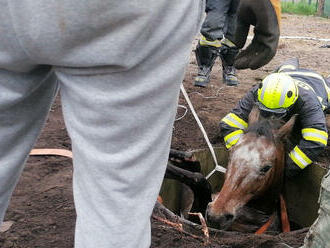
column 301, row 193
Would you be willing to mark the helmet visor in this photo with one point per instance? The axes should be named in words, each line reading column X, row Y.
column 278, row 113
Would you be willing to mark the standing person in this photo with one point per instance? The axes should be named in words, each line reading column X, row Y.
column 216, row 40
column 119, row 84
column 225, row 30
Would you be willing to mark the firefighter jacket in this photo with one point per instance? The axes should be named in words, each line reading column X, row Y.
column 313, row 100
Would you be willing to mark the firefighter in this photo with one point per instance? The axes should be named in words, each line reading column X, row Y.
column 288, row 91
column 224, row 32
column 216, row 40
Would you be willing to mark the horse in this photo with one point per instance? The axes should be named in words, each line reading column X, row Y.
column 254, row 176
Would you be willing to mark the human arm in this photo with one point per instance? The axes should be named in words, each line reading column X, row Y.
column 313, row 140
column 232, row 126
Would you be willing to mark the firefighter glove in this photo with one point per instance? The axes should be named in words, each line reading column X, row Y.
column 291, row 169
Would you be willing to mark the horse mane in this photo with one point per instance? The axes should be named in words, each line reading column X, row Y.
column 262, row 128
column 265, row 127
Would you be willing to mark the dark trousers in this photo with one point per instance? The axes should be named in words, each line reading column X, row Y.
column 220, row 19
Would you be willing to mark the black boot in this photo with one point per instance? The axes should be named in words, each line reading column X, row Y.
column 229, row 75
column 227, row 56
column 205, row 56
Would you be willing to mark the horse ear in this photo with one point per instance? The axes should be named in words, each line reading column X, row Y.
column 254, row 115
column 286, row 129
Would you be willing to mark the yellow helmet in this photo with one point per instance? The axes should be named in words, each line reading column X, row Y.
column 277, row 93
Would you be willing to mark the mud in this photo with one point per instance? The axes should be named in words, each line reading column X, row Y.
column 42, row 205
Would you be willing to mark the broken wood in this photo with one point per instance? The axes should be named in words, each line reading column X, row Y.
column 6, row 225
column 178, row 226
column 204, row 226
column 46, row 151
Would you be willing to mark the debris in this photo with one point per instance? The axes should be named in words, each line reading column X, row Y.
column 204, row 226
column 6, row 225
column 47, row 152
column 177, row 226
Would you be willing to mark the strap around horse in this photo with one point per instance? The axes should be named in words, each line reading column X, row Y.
column 284, row 219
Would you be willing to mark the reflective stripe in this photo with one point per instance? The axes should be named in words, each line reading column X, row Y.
column 299, row 158
column 312, row 74
column 304, row 85
column 321, row 101
column 289, row 67
column 264, row 86
column 315, row 135
column 228, row 43
column 200, row 78
column 283, row 94
column 305, row 73
column 204, row 42
column 234, row 121
column 232, row 138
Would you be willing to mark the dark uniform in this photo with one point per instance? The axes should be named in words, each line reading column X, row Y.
column 225, row 30
column 220, row 23
column 312, row 103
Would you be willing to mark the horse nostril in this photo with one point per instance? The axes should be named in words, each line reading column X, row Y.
column 207, row 212
column 229, row 217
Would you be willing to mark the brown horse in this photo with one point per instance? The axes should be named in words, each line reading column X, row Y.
column 254, row 177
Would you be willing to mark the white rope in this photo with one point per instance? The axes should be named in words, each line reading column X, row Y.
column 208, row 97
column 299, row 38
column 217, row 167
column 184, row 114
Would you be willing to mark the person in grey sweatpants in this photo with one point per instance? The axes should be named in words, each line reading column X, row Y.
column 118, row 66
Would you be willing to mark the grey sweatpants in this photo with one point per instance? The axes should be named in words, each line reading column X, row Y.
column 118, row 65
column 318, row 235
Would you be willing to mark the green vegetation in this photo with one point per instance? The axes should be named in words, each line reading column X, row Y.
column 299, row 8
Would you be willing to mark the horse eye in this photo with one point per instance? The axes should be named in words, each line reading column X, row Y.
column 266, row 168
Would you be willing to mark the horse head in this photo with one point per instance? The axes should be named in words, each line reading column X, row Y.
column 255, row 169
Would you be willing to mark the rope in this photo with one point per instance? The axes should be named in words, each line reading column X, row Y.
column 184, row 114
column 217, row 167
column 208, row 97
column 299, row 38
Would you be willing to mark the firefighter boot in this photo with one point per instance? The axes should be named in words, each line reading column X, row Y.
column 227, row 56
column 205, row 56
column 229, row 75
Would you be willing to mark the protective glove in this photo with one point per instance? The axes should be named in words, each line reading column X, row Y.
column 291, row 169
column 264, row 15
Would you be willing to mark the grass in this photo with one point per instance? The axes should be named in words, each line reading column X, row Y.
column 300, row 8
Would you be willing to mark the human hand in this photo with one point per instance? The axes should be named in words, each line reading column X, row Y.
column 291, row 169
column 264, row 15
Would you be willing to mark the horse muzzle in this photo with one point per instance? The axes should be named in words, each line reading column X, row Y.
column 219, row 221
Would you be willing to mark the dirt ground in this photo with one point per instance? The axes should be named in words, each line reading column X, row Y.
column 42, row 206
